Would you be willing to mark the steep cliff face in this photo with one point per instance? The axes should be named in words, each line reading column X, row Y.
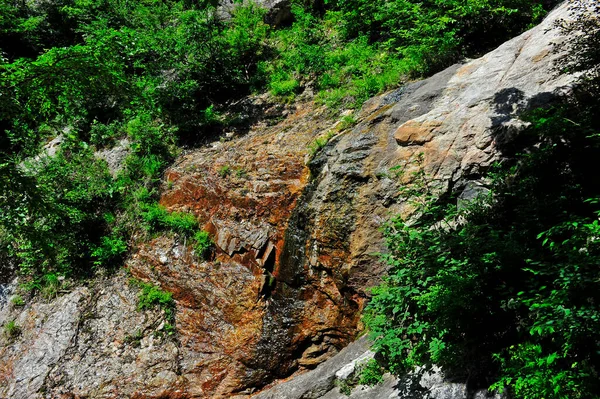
column 295, row 241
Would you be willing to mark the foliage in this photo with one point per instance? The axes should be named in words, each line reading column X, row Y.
column 111, row 248
column 345, row 73
column 370, row 373
column 344, row 386
column 359, row 48
column 12, row 329
column 17, row 300
column 157, row 217
column 320, row 142
column 429, row 35
column 203, row 243
column 54, row 218
column 224, row 171
column 134, row 339
column 505, row 290
column 151, row 297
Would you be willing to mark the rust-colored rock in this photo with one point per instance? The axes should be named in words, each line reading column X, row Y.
column 413, row 133
column 244, row 192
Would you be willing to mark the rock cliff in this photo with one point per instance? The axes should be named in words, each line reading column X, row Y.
column 295, row 235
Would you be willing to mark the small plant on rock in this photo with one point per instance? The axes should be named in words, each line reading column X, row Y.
column 157, row 218
column 151, row 297
column 224, row 171
column 240, row 173
column 134, row 339
column 17, row 301
column 203, row 244
column 370, row 373
column 320, row 142
column 344, row 386
column 12, row 330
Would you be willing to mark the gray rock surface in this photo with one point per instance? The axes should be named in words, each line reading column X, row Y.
column 115, row 156
column 92, row 342
column 325, row 381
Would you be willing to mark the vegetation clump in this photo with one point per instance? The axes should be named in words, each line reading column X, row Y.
column 152, row 297
column 370, row 373
column 12, row 330
column 17, row 301
column 203, row 244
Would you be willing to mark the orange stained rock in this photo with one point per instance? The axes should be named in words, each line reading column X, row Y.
column 416, row 133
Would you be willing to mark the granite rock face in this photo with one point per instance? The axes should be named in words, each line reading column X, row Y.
column 91, row 342
column 295, row 236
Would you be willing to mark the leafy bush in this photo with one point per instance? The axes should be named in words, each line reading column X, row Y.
column 430, row 35
column 17, row 300
column 359, row 48
column 157, row 217
column 370, row 373
column 111, row 248
column 53, row 218
column 224, row 171
column 151, row 297
column 203, row 243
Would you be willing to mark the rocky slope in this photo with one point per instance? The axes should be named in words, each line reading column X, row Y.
column 295, row 241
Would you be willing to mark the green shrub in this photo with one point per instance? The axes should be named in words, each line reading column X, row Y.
column 158, row 218
column 370, row 373
column 203, row 243
column 149, row 138
column 134, row 339
column 347, row 122
column 432, row 34
column 147, row 70
column 53, row 212
column 224, row 171
column 111, row 249
column 183, row 223
column 151, row 297
column 104, row 135
column 17, row 300
column 240, row 172
column 344, row 387
column 11, row 330
column 283, row 85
